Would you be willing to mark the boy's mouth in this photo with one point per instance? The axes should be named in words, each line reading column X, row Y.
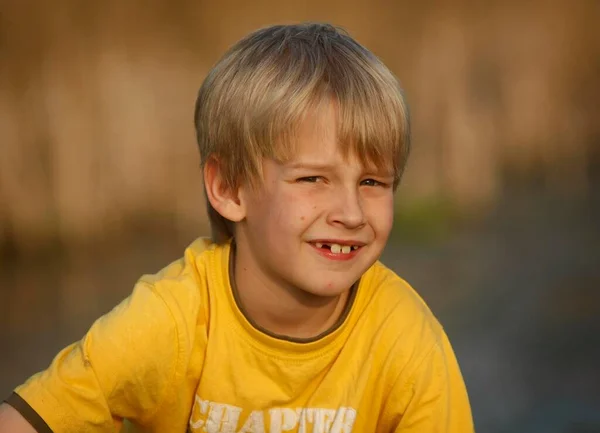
column 337, row 247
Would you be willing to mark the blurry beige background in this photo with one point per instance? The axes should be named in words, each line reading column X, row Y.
column 498, row 211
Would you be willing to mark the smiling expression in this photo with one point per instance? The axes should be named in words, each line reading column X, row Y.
column 319, row 220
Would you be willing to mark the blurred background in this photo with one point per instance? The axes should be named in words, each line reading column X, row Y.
column 498, row 223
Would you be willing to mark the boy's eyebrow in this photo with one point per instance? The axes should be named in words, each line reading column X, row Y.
column 310, row 165
column 328, row 167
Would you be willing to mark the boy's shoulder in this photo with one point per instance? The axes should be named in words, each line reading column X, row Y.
column 192, row 265
column 393, row 289
column 183, row 284
column 398, row 305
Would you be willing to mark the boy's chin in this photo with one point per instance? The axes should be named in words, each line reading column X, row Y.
column 327, row 289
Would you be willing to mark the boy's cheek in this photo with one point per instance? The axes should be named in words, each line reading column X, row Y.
column 381, row 216
column 300, row 206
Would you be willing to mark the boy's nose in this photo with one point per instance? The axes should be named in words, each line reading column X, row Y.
column 347, row 209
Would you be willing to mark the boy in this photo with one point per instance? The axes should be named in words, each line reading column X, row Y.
column 285, row 321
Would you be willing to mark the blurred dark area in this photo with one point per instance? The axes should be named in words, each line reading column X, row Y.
column 498, row 221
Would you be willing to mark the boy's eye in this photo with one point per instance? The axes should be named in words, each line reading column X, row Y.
column 372, row 182
column 309, row 179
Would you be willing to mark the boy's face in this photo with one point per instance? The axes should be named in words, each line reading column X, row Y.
column 318, row 221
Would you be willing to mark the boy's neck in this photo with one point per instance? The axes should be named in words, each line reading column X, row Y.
column 282, row 311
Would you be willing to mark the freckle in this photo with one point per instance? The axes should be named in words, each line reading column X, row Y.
column 314, row 207
column 301, row 218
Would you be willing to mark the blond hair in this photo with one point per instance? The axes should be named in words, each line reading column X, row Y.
column 255, row 97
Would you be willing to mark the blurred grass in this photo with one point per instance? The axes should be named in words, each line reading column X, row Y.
column 425, row 221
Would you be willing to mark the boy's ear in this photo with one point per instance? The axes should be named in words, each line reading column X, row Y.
column 222, row 198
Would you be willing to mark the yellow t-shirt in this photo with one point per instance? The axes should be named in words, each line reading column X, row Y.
column 179, row 355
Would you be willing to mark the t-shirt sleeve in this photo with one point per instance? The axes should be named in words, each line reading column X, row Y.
column 121, row 369
column 434, row 397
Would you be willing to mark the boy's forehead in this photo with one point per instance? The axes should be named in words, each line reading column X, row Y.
column 328, row 152
column 315, row 141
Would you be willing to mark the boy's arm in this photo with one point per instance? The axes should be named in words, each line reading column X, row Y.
column 434, row 399
column 122, row 368
column 12, row 421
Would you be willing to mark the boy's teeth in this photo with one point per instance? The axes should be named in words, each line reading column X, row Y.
column 344, row 249
column 337, row 248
